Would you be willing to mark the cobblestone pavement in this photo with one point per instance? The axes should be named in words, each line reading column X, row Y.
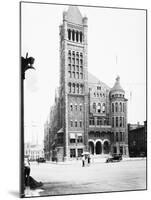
column 72, row 178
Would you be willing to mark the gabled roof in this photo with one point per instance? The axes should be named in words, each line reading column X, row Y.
column 93, row 80
column 74, row 16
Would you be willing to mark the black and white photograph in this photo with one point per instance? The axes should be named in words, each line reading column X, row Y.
column 83, row 96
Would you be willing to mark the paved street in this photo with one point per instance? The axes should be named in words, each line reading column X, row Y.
column 99, row 177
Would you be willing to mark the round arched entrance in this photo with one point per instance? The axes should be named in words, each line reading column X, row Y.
column 106, row 147
column 98, row 147
column 91, row 147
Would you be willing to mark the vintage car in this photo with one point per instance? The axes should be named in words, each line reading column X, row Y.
column 41, row 160
column 114, row 158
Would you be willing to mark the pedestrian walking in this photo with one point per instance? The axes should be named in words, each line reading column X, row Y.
column 89, row 160
column 83, row 161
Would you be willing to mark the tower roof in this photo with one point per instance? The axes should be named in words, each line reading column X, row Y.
column 117, row 86
column 74, row 15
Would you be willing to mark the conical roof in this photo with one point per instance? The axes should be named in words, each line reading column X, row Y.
column 117, row 86
column 73, row 15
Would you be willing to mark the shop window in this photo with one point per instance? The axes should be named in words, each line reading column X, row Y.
column 72, row 153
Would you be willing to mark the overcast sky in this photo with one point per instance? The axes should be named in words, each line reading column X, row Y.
column 116, row 46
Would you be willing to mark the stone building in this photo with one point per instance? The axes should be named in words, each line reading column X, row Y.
column 87, row 115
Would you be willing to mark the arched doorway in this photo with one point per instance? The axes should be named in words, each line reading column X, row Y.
column 106, row 147
column 98, row 147
column 91, row 147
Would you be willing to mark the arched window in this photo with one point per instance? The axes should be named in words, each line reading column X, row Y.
column 69, row 34
column 73, row 35
column 77, row 75
column 73, row 85
column 113, row 107
column 116, row 107
column 81, row 37
column 120, row 107
column 77, row 36
column 99, row 108
column 73, row 74
column 78, row 88
column 81, row 75
column 81, row 89
column 120, row 121
column 71, row 107
column 81, row 69
column 70, row 74
column 94, row 107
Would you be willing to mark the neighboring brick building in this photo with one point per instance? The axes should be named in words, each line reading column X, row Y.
column 137, row 140
column 87, row 115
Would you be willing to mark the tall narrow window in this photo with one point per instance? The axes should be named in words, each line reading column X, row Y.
column 116, row 136
column 80, row 36
column 116, row 121
column 77, row 75
column 103, row 108
column 76, row 123
column 71, row 107
column 81, row 75
column 120, row 121
column 77, row 36
column 73, row 87
column 116, row 107
column 69, row 85
column 80, row 123
column 80, row 107
column 112, row 121
column 113, row 107
column 69, row 34
column 77, row 88
column 73, row 35
column 120, row 107
column 71, row 123
column 99, row 108
column 123, row 107
column 94, row 107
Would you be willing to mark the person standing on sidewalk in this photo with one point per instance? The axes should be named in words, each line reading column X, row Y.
column 83, row 161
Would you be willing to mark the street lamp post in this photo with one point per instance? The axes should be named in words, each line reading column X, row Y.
column 26, row 63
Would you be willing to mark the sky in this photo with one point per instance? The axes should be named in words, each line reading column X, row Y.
column 116, row 46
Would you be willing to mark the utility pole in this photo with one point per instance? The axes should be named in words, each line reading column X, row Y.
column 26, row 63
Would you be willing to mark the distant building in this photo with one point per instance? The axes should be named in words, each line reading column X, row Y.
column 34, row 151
column 137, row 139
column 87, row 114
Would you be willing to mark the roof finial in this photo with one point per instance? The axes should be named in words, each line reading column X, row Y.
column 118, row 78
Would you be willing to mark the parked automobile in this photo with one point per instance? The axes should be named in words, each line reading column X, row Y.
column 114, row 158
column 42, row 160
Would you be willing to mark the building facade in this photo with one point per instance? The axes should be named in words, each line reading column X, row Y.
column 87, row 115
column 34, row 151
column 137, row 140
